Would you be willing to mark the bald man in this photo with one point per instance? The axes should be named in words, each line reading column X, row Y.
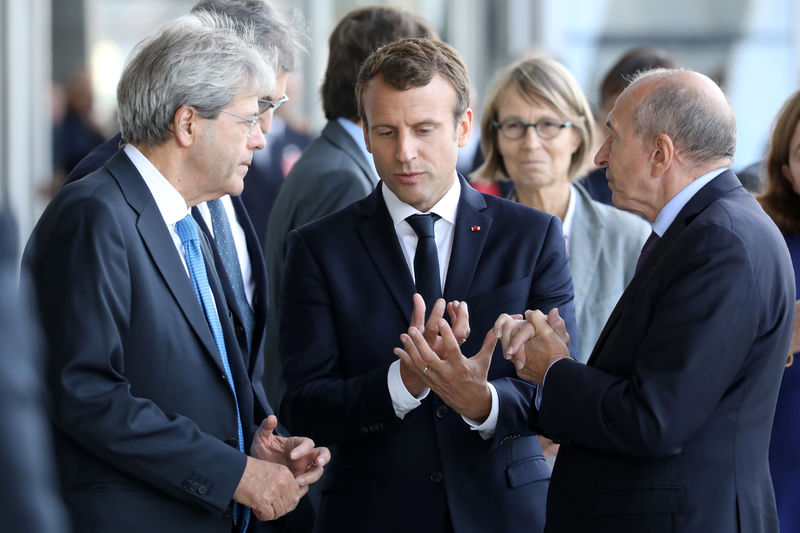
column 667, row 426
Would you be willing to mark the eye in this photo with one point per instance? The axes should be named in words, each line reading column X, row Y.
column 548, row 126
column 384, row 132
column 425, row 130
column 511, row 125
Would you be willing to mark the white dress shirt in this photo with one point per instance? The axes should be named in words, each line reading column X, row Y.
column 446, row 208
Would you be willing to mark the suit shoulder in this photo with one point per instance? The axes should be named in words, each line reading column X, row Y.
column 515, row 211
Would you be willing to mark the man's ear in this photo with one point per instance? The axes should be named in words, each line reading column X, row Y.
column 661, row 155
column 464, row 128
column 184, row 125
column 365, row 128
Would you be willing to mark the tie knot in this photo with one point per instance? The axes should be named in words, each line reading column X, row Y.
column 186, row 229
column 423, row 224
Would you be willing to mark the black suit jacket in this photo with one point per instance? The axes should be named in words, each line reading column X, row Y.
column 255, row 361
column 346, row 298
column 667, row 427
column 146, row 421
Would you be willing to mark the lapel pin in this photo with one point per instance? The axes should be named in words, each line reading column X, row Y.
column 474, row 228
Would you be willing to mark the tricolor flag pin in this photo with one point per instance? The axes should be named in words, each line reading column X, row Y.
column 475, row 228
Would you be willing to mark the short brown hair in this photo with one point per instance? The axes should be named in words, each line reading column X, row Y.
column 539, row 81
column 780, row 201
column 413, row 63
column 355, row 37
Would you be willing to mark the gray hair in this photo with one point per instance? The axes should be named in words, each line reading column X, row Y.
column 698, row 126
column 201, row 61
column 281, row 35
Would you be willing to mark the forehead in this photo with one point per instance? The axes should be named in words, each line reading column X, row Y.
column 511, row 97
column 384, row 103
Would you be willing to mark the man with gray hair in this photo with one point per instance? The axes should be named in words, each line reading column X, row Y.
column 153, row 401
column 667, row 426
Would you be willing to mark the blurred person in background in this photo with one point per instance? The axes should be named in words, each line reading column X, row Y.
column 537, row 131
column 632, row 62
column 29, row 499
column 781, row 201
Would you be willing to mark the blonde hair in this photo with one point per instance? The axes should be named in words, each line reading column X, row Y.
column 539, row 81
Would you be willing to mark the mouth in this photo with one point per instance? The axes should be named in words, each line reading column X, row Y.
column 408, row 178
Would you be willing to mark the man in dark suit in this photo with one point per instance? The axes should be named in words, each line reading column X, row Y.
column 28, row 496
column 281, row 41
column 154, row 403
column 444, row 447
column 335, row 169
column 667, row 427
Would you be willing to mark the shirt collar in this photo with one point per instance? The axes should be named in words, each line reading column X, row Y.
column 446, row 207
column 357, row 133
column 668, row 213
column 169, row 201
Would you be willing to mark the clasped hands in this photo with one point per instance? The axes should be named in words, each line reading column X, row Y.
column 278, row 471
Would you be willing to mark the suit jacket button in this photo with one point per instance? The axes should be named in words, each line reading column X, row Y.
column 437, row 477
column 233, row 442
column 442, row 411
column 202, row 490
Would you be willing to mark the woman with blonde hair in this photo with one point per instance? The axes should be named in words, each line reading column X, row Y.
column 781, row 201
column 537, row 131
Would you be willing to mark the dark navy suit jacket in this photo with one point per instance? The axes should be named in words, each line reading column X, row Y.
column 146, row 422
column 346, row 298
column 667, row 427
column 255, row 360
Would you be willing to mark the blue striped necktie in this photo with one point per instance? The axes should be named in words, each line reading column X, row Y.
column 187, row 230
column 230, row 260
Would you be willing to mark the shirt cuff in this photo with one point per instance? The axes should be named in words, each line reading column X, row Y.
column 402, row 400
column 489, row 426
column 539, row 388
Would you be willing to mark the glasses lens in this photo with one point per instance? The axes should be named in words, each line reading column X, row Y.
column 265, row 104
column 512, row 128
column 548, row 128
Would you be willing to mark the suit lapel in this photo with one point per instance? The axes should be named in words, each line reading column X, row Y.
column 158, row 241
column 469, row 237
column 377, row 233
column 585, row 236
column 724, row 183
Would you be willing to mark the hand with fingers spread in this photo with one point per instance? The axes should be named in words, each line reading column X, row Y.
column 546, row 346
column 459, row 315
column 459, row 381
column 298, row 454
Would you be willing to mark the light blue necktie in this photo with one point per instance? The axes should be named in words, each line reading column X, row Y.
column 230, row 260
column 187, row 230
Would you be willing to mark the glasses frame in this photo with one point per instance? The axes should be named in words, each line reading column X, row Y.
column 525, row 125
column 265, row 104
column 252, row 121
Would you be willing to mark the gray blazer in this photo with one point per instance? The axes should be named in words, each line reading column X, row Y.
column 604, row 245
column 331, row 174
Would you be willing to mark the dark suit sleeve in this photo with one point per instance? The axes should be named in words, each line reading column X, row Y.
column 83, row 281
column 550, row 288
column 703, row 318
column 350, row 407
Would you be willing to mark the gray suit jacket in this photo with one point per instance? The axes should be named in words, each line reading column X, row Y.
column 604, row 245
column 331, row 174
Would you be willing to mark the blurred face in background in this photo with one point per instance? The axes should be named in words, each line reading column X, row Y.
column 531, row 161
column 791, row 170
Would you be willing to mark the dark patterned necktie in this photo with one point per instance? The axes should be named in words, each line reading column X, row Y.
column 649, row 244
